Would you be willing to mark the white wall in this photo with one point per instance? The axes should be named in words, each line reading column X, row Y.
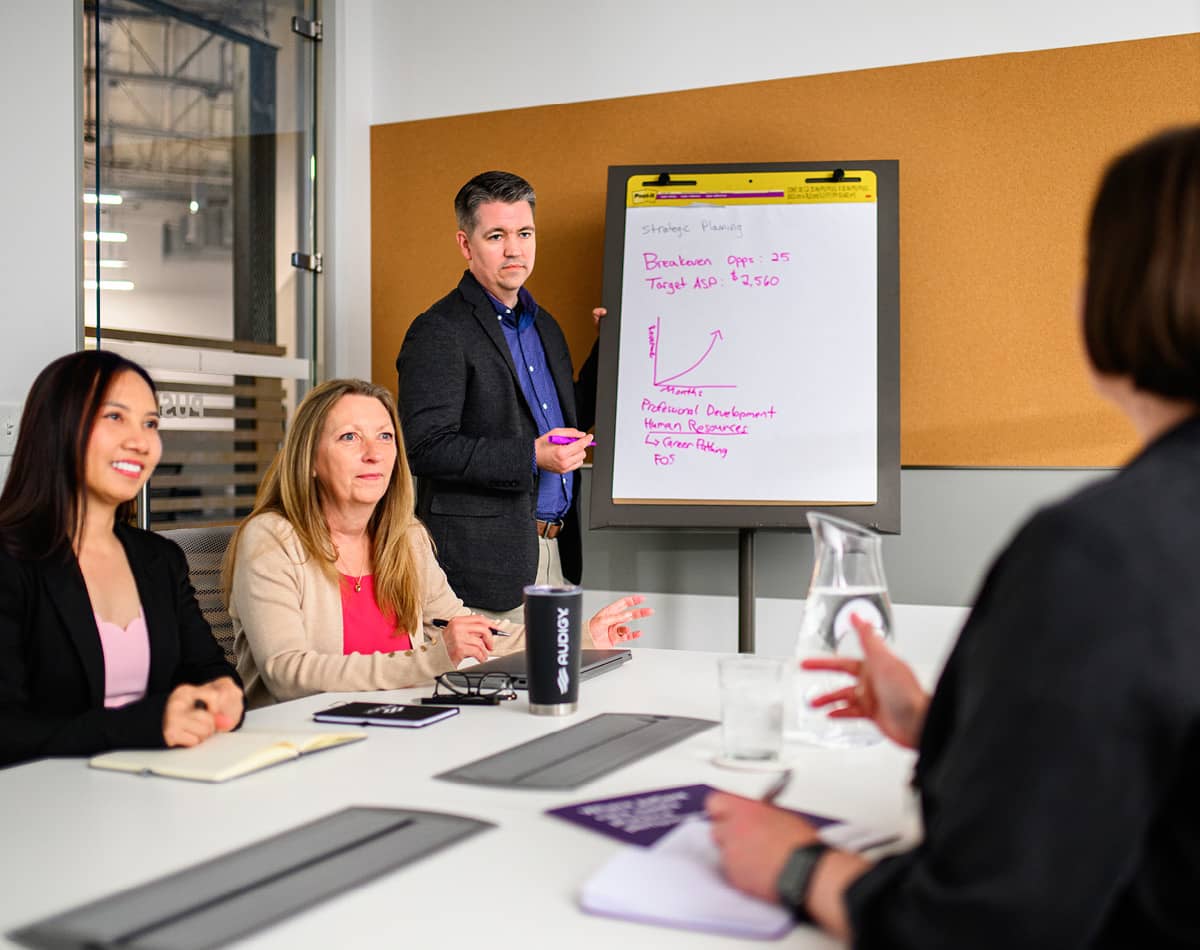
column 435, row 59
column 40, row 170
column 404, row 61
column 391, row 61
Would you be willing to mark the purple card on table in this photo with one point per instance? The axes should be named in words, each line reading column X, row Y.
column 645, row 817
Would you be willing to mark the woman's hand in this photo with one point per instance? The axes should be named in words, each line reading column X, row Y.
column 887, row 691
column 187, row 720
column 468, row 636
column 193, row 713
column 755, row 840
column 226, row 702
column 609, row 626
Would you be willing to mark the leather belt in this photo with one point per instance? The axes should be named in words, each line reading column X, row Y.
column 548, row 529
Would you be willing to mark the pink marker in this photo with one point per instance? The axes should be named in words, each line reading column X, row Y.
column 566, row 440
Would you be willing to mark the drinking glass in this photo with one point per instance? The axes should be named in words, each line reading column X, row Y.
column 751, row 708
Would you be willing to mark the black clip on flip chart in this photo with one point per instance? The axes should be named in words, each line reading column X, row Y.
column 580, row 753
column 212, row 903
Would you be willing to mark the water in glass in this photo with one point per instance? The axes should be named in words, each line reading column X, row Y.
column 751, row 708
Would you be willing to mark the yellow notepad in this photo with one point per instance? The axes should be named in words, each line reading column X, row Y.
column 223, row 756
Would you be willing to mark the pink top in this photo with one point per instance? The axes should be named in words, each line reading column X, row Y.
column 126, row 659
column 364, row 627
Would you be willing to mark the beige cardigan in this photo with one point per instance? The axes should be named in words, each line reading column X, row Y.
column 287, row 621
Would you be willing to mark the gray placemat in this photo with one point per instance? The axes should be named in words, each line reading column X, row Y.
column 580, row 753
column 210, row 904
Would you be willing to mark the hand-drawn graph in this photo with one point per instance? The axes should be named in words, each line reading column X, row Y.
column 666, row 380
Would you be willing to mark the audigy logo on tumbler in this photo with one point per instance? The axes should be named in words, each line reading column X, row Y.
column 564, row 648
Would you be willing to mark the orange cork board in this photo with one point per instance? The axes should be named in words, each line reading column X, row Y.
column 999, row 157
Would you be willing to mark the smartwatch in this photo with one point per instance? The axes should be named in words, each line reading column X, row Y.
column 796, row 877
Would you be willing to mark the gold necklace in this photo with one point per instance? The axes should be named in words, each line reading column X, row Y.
column 361, row 574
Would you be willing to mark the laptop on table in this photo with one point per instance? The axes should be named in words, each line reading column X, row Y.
column 591, row 663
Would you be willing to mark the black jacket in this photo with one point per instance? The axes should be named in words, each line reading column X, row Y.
column 1059, row 766
column 52, row 664
column 469, row 434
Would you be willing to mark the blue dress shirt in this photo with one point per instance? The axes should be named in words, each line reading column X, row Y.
column 537, row 385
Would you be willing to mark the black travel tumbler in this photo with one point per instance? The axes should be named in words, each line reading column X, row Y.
column 553, row 636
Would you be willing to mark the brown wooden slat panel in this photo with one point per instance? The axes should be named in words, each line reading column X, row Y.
column 268, row 411
column 216, row 458
column 196, row 437
column 264, row 389
column 199, row 479
column 219, row 503
column 198, row 342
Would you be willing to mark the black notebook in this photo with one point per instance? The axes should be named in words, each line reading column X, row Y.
column 385, row 714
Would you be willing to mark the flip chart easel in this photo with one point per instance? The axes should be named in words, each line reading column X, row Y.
column 751, row 352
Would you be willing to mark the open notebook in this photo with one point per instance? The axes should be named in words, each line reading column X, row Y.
column 669, row 873
column 677, row 882
column 223, row 756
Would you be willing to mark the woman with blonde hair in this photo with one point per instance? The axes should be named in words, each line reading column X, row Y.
column 333, row 583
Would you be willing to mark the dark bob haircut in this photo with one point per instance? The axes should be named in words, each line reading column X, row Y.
column 1141, row 314
column 489, row 186
column 43, row 502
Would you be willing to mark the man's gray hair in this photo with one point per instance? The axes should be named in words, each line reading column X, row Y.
column 485, row 187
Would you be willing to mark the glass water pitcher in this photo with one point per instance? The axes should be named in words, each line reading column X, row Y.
column 847, row 579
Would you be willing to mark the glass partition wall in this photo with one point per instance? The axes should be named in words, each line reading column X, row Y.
column 200, row 236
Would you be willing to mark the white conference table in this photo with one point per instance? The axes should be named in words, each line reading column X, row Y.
column 72, row 834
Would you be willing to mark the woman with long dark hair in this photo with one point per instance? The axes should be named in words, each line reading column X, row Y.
column 102, row 643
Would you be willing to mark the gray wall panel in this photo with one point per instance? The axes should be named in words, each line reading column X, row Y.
column 954, row 523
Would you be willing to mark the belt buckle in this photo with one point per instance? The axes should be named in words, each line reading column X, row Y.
column 547, row 529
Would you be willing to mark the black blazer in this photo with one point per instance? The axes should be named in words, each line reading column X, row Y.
column 1059, row 767
column 52, row 664
column 469, row 434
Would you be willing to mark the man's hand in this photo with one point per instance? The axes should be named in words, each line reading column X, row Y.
column 561, row 458
column 598, row 314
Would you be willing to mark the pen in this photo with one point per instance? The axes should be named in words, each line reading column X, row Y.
column 566, row 440
column 446, row 623
column 777, row 786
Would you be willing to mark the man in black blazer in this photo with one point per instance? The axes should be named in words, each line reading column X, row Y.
column 493, row 420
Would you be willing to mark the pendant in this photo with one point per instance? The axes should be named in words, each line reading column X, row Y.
column 358, row 586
